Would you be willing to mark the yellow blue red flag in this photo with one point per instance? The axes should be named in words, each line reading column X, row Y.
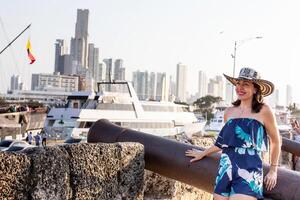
column 29, row 53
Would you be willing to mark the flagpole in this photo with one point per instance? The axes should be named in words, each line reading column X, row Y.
column 15, row 39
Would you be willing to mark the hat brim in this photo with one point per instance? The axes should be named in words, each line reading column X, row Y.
column 266, row 87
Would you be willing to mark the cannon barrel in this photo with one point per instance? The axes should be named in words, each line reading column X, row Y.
column 167, row 157
column 290, row 146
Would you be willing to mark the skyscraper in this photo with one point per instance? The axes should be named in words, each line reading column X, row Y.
column 289, row 95
column 140, row 84
column 15, row 83
column 78, row 51
column 109, row 62
column 181, row 82
column 220, row 83
column 215, row 87
column 228, row 92
column 82, row 22
column 79, row 44
column 67, row 65
column 202, row 84
column 119, row 71
column 60, row 50
column 100, row 72
column 93, row 63
column 273, row 99
column 152, row 86
column 162, row 87
column 91, row 59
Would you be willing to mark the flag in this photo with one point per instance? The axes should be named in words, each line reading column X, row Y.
column 30, row 56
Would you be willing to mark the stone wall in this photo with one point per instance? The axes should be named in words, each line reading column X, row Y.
column 158, row 187
column 78, row 171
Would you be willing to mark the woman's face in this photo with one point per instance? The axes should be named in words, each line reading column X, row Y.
column 244, row 89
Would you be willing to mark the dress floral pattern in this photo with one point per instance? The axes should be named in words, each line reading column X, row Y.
column 240, row 170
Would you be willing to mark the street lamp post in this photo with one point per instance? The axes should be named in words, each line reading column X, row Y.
column 234, row 55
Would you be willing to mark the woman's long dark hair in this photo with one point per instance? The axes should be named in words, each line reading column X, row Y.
column 257, row 101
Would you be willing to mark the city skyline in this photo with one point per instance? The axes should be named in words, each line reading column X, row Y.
column 158, row 35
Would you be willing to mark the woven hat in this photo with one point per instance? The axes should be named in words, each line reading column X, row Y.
column 249, row 74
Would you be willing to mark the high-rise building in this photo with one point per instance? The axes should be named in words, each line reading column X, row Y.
column 140, row 84
column 220, row 82
column 99, row 72
column 119, row 71
column 96, row 66
column 152, row 86
column 91, row 59
column 78, row 51
column 60, row 50
column 93, row 63
column 82, row 22
column 15, row 83
column 181, row 82
column 202, row 84
column 66, row 62
column 172, row 88
column 79, row 44
column 109, row 62
column 273, row 99
column 215, row 87
column 122, row 73
column 228, row 92
column 289, row 95
column 163, row 87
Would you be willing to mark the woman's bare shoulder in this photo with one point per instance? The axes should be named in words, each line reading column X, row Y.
column 228, row 112
column 267, row 114
column 266, row 109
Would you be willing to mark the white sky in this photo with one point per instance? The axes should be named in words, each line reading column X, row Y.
column 155, row 35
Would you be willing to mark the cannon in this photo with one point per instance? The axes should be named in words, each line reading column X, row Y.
column 167, row 157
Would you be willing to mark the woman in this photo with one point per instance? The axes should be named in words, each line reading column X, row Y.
column 243, row 139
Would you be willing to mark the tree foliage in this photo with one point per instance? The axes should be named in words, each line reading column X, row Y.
column 205, row 105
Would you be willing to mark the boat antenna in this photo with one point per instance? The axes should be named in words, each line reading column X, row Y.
column 15, row 39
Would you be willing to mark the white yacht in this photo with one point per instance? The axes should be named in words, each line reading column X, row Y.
column 216, row 123
column 118, row 102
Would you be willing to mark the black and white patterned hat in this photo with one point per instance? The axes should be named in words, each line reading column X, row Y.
column 249, row 74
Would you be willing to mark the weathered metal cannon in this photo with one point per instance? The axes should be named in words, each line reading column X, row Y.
column 291, row 146
column 167, row 157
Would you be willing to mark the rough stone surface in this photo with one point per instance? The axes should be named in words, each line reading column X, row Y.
column 158, row 187
column 202, row 141
column 131, row 183
column 97, row 171
column 14, row 176
column 77, row 171
column 50, row 173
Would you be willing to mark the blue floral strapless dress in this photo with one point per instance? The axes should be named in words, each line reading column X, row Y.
column 242, row 141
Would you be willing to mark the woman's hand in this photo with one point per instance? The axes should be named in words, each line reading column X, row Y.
column 271, row 179
column 197, row 154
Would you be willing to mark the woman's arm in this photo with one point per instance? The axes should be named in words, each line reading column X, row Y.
column 211, row 150
column 198, row 155
column 275, row 146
